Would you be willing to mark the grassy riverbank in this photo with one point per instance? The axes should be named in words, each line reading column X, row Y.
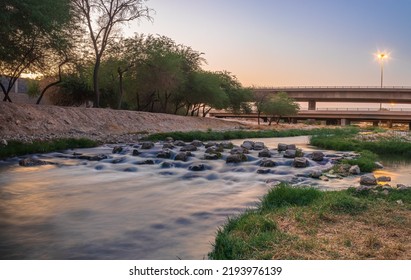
column 304, row 223
column 211, row 135
column 16, row 148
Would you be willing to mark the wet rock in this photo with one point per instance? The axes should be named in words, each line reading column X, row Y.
column 264, row 153
column 226, row 145
column 213, row 150
column 263, row 171
column 209, row 144
column 403, row 187
column 354, row 170
column 188, row 148
column 249, row 145
column 130, row 169
column 384, row 179
column 136, row 152
column 169, row 139
column 164, row 154
column 168, row 146
column 146, row 162
column 290, row 153
column 93, row 157
column 317, row 156
column 239, row 150
column 291, row 147
column 258, row 146
column 214, row 156
column 267, row 163
column 147, row 145
column 281, row 147
column 324, row 178
column 27, row 162
column 179, row 143
column 316, row 174
column 368, row 180
column 342, row 169
column 197, row 143
column 197, row 167
column 300, row 162
column 117, row 149
column 166, row 164
column 236, row 158
column 181, row 156
column 118, row 160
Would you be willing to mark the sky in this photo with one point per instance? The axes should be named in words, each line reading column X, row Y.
column 292, row 42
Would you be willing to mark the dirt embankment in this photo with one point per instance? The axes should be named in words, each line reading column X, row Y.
column 39, row 122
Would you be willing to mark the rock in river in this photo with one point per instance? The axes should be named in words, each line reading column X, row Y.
column 33, row 162
column 264, row 153
column 236, row 158
column 368, row 180
column 300, row 162
column 317, row 156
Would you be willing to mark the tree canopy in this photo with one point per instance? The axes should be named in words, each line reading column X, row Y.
column 281, row 105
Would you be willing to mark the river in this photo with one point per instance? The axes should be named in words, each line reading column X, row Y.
column 119, row 208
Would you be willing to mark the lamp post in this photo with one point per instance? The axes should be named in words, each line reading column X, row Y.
column 381, row 57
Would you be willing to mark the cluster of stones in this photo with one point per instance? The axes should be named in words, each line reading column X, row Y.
column 178, row 150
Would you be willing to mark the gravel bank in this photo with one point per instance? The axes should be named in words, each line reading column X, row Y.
column 25, row 122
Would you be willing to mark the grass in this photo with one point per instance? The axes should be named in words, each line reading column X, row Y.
column 292, row 223
column 16, row 148
column 211, row 135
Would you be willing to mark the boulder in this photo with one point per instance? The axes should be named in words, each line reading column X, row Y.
column 384, row 179
column 263, row 171
column 188, row 148
column 146, row 162
column 197, row 167
column 317, row 156
column 196, row 143
column 117, row 149
column 354, row 170
column 259, row 146
column 169, row 139
column 181, row 156
column 136, row 152
column 281, row 147
column 267, row 163
column 164, row 154
column 27, row 162
column 239, row 150
column 93, row 157
column 264, row 153
column 379, row 165
column 290, row 153
column 147, row 145
column 249, row 145
column 300, row 162
column 179, row 143
column 168, row 146
column 316, row 174
column 213, row 156
column 236, row 158
column 368, row 180
column 226, row 145
column 166, row 164
column 291, row 147
column 402, row 187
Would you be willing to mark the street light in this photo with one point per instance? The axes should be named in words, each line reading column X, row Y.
column 381, row 57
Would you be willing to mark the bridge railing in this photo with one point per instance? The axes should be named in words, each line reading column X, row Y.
column 364, row 109
column 331, row 87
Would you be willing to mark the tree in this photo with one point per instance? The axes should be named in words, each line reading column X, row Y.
column 238, row 96
column 280, row 106
column 31, row 32
column 260, row 98
column 102, row 17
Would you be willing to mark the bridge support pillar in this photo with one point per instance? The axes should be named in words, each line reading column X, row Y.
column 345, row 122
column 311, row 105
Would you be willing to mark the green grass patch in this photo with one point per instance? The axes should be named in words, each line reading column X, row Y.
column 17, row 148
column 304, row 223
column 211, row 135
column 366, row 161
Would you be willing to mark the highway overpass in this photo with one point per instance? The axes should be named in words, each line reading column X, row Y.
column 397, row 95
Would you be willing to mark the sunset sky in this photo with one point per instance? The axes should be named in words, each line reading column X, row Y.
column 292, row 42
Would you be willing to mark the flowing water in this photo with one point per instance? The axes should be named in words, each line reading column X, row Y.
column 124, row 208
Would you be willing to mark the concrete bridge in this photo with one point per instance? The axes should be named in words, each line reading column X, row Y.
column 335, row 116
column 397, row 95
